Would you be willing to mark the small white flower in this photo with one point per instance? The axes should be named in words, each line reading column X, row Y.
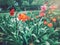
column 13, row 20
column 17, row 19
column 27, row 28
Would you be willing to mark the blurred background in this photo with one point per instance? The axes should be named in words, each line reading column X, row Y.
column 25, row 4
column 22, row 4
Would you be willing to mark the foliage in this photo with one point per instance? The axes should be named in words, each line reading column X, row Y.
column 21, row 3
column 25, row 28
column 24, row 33
column 7, row 2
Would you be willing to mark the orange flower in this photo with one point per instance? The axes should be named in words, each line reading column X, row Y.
column 23, row 17
column 45, row 22
column 53, row 7
column 42, row 14
column 54, row 19
column 50, row 25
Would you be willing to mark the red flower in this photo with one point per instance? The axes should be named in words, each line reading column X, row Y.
column 12, row 12
column 50, row 25
column 45, row 22
column 42, row 14
column 23, row 17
